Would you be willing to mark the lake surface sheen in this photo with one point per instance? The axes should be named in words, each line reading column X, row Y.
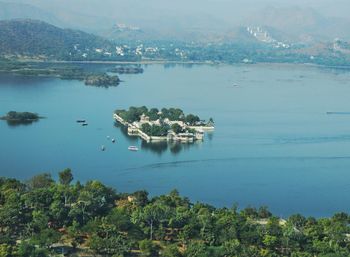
column 273, row 145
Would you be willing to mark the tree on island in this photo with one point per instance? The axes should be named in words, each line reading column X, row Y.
column 155, row 130
column 176, row 128
column 192, row 119
column 153, row 114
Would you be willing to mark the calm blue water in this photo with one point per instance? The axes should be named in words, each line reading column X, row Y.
column 273, row 145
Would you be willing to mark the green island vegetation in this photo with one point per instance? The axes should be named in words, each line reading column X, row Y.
column 21, row 116
column 14, row 118
column 58, row 70
column 102, row 80
column 41, row 217
column 155, row 122
column 173, row 114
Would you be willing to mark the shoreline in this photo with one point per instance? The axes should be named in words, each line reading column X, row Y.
column 120, row 62
column 157, row 62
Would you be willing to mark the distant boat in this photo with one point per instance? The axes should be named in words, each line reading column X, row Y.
column 133, row 148
column 84, row 124
column 103, row 148
column 113, row 140
column 81, row 121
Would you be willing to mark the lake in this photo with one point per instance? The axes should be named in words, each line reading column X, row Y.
column 274, row 143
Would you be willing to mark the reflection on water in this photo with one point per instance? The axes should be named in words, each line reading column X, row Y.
column 176, row 148
column 335, row 70
column 16, row 123
column 182, row 65
column 156, row 147
column 210, row 135
column 160, row 147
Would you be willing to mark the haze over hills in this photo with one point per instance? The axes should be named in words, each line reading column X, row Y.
column 302, row 24
column 206, row 21
column 26, row 11
column 275, row 34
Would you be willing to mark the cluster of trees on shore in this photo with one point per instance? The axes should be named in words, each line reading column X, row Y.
column 42, row 217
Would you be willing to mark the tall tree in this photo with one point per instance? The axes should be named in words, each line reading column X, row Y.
column 40, row 181
column 66, row 176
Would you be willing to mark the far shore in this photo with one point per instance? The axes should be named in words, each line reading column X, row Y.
column 122, row 62
column 145, row 62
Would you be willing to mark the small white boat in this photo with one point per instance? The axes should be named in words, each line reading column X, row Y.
column 103, row 148
column 113, row 140
column 133, row 148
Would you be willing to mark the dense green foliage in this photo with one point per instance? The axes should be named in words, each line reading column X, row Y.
column 41, row 217
column 173, row 114
column 103, row 80
column 155, row 130
column 20, row 116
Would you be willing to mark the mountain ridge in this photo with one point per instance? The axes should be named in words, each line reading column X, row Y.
column 38, row 38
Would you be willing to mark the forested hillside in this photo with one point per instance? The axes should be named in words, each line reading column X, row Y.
column 39, row 39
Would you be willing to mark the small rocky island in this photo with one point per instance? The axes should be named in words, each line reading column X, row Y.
column 163, row 125
column 14, row 117
column 102, row 80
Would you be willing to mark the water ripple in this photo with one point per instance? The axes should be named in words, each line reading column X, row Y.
column 191, row 162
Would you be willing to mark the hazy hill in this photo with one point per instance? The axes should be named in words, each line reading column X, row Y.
column 33, row 38
column 25, row 11
column 61, row 17
column 301, row 24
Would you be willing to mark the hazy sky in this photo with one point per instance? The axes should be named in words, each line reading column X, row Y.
column 167, row 16
column 221, row 9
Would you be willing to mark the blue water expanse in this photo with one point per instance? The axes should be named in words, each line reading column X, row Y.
column 274, row 142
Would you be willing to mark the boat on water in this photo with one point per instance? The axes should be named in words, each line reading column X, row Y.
column 84, row 124
column 81, row 121
column 133, row 148
column 113, row 140
column 103, row 148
